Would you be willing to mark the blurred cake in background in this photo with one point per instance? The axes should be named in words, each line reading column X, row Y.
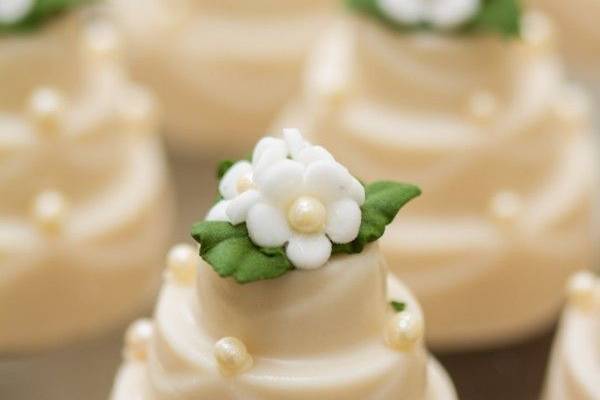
column 577, row 23
column 292, row 299
column 221, row 68
column 575, row 369
column 467, row 99
column 85, row 213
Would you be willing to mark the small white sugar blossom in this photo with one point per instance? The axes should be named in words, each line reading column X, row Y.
column 300, row 198
column 240, row 177
column 443, row 14
column 12, row 11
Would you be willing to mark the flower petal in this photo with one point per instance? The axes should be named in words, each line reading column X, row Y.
column 281, row 182
column 313, row 154
column 294, row 141
column 218, row 212
column 237, row 209
column 268, row 157
column 267, row 225
column 404, row 11
column 343, row 221
column 228, row 185
column 15, row 10
column 451, row 13
column 269, row 143
column 330, row 182
column 309, row 251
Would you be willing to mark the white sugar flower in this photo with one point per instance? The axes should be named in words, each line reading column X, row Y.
column 444, row 14
column 12, row 11
column 306, row 204
column 240, row 177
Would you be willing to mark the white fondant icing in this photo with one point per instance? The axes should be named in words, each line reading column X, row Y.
column 310, row 334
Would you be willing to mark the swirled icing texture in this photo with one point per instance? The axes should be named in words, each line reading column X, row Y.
column 312, row 335
column 501, row 148
column 104, row 161
column 221, row 68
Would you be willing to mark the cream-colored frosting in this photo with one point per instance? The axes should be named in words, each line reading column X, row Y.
column 316, row 334
column 575, row 367
column 222, row 69
column 579, row 33
column 84, row 211
column 499, row 144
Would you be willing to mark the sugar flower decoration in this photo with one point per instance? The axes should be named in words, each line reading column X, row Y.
column 306, row 207
column 239, row 178
column 12, row 11
column 442, row 14
column 449, row 16
column 291, row 207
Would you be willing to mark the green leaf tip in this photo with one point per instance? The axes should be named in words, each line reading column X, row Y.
column 398, row 306
column 384, row 199
column 223, row 167
column 231, row 253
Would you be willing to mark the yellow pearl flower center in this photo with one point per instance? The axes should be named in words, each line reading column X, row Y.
column 245, row 183
column 307, row 215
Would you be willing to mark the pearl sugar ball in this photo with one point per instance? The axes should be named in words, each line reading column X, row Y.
column 232, row 356
column 182, row 262
column 307, row 215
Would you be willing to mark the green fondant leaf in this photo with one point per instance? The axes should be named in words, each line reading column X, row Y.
column 231, row 253
column 42, row 10
column 501, row 16
column 223, row 167
column 398, row 306
column 383, row 201
column 494, row 16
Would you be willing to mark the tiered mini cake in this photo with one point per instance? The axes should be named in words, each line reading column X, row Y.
column 575, row 369
column 222, row 68
column 84, row 210
column 269, row 313
column 486, row 124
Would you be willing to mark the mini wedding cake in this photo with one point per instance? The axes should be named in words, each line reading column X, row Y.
column 291, row 299
column 222, row 68
column 575, row 369
column 468, row 99
column 84, row 210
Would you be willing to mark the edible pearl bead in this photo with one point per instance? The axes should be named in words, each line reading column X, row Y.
column 137, row 340
column 232, row 356
column 307, row 215
column 404, row 330
column 245, row 183
column 537, row 30
column 182, row 262
column 46, row 108
column 49, row 210
column 101, row 39
column 506, row 206
column 583, row 290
